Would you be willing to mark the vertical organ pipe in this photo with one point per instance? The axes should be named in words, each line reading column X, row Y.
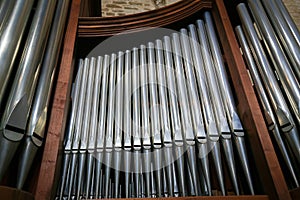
column 37, row 120
column 188, row 132
column 228, row 99
column 269, row 115
column 15, row 116
column 285, row 119
column 177, row 129
column 289, row 43
column 288, row 20
column 10, row 40
column 287, row 77
column 6, row 8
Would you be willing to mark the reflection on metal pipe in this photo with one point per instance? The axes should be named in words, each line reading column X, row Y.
column 118, row 123
column 175, row 118
column 282, row 112
column 17, row 109
column 10, row 40
column 269, row 115
column 288, row 20
column 228, row 99
column 37, row 120
column 6, row 8
column 287, row 77
column 222, row 126
column 285, row 36
column 164, row 115
column 188, row 132
column 155, row 122
column 163, row 121
column 127, row 122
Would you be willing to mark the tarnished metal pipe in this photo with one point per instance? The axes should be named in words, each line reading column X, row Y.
column 267, row 74
column 285, row 35
column 6, row 8
column 269, row 115
column 289, row 20
column 10, row 39
column 17, row 109
column 283, row 114
column 37, row 120
column 287, row 77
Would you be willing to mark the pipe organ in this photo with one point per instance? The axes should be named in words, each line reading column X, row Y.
column 172, row 102
column 171, row 126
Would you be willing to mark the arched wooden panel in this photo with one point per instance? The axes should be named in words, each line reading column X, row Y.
column 107, row 26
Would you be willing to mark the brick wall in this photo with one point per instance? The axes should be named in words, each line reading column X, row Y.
column 123, row 7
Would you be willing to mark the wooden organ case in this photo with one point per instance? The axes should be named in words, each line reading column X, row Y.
column 83, row 33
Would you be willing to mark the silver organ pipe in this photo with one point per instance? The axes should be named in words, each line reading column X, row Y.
column 271, row 53
column 157, row 120
column 282, row 66
column 272, row 123
column 162, row 117
column 25, row 94
column 11, row 36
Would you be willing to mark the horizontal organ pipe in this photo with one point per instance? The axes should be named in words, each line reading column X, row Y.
column 161, row 148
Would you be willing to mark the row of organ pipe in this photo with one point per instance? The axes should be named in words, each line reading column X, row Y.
column 156, row 120
column 153, row 120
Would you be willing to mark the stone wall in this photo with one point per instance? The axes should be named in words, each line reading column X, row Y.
column 123, row 7
column 293, row 7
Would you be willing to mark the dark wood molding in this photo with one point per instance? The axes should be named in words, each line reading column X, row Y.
column 107, row 26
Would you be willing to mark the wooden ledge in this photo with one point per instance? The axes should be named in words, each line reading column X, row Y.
column 9, row 193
